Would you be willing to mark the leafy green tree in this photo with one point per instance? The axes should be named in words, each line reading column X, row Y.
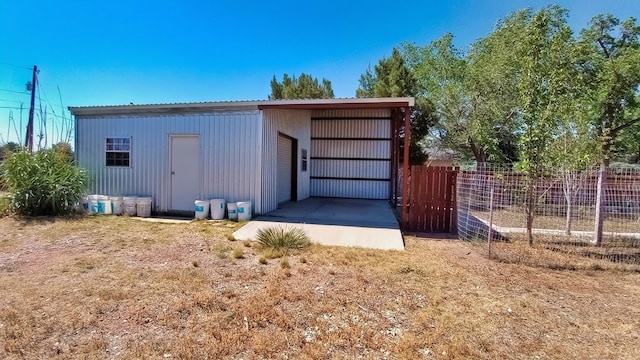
column 627, row 144
column 392, row 78
column 608, row 56
column 543, row 90
column 303, row 87
column 64, row 149
column 472, row 95
column 7, row 149
column 493, row 75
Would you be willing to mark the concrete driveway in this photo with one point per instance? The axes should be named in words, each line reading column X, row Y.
column 330, row 221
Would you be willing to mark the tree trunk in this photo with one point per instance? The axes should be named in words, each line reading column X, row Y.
column 599, row 220
column 478, row 154
column 530, row 211
column 569, row 216
column 568, row 195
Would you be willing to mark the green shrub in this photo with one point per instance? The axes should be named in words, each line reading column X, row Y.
column 44, row 183
column 279, row 239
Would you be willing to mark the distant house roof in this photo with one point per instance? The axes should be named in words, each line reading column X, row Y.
column 309, row 104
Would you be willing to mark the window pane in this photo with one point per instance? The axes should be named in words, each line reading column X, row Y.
column 118, row 152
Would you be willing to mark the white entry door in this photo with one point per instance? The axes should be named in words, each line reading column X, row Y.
column 284, row 169
column 185, row 172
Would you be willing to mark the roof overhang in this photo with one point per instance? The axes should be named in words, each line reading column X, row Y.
column 355, row 103
column 306, row 104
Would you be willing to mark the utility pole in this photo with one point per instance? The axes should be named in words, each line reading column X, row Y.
column 28, row 142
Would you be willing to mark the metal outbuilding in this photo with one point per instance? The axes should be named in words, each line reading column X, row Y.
column 268, row 152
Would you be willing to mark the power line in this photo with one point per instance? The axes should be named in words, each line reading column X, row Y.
column 40, row 87
column 18, row 66
column 17, row 92
column 24, row 108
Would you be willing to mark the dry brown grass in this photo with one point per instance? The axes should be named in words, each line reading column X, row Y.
column 105, row 287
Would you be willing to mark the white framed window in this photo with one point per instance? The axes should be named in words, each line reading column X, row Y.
column 118, row 152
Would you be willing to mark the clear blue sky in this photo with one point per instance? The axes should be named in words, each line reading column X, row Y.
column 117, row 52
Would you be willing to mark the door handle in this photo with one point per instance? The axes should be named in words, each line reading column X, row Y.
column 173, row 173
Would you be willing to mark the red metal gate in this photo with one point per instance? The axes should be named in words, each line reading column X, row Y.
column 432, row 199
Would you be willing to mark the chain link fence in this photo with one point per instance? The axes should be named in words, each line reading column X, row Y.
column 492, row 208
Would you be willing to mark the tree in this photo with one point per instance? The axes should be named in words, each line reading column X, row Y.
column 572, row 150
column 303, row 87
column 7, row 149
column 627, row 144
column 609, row 65
column 392, row 78
column 543, row 92
column 64, row 150
column 471, row 95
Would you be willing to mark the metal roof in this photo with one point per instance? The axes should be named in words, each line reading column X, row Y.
column 309, row 104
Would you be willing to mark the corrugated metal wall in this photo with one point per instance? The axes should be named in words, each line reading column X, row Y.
column 230, row 154
column 351, row 153
column 295, row 124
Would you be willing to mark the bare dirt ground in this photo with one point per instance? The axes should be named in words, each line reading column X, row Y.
column 110, row 287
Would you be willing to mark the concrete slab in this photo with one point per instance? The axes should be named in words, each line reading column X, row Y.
column 335, row 222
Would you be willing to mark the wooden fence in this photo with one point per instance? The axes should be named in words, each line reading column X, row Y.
column 432, row 199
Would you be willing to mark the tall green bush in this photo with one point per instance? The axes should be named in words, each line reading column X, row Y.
column 44, row 183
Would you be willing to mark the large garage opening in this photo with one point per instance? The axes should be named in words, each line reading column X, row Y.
column 351, row 154
column 358, row 149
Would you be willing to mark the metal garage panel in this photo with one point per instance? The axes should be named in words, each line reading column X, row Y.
column 351, row 153
column 351, row 149
column 350, row 189
column 293, row 123
column 378, row 169
column 284, row 169
column 362, row 128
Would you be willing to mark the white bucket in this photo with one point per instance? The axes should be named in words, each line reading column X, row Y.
column 116, row 205
column 217, row 208
column 129, row 205
column 202, row 209
column 143, row 206
column 93, row 204
column 244, row 210
column 85, row 204
column 232, row 209
column 104, row 205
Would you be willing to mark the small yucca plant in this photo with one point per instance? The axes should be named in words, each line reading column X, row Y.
column 280, row 239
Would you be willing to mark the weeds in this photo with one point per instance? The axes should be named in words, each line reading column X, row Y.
column 280, row 240
column 94, row 286
column 238, row 253
column 407, row 269
column 44, row 183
